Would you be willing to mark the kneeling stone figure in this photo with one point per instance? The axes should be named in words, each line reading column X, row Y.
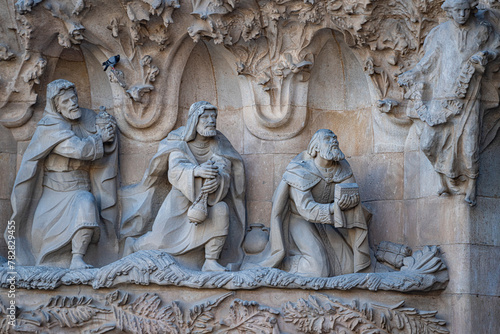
column 314, row 231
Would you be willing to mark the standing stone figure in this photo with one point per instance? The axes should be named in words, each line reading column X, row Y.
column 314, row 230
column 73, row 161
column 445, row 87
column 205, row 209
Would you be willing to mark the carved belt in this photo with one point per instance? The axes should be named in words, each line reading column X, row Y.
column 67, row 181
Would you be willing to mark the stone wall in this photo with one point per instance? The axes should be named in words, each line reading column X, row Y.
column 277, row 72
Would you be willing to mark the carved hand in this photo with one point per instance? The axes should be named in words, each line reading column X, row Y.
column 405, row 78
column 480, row 58
column 108, row 133
column 206, row 170
column 344, row 202
column 211, row 185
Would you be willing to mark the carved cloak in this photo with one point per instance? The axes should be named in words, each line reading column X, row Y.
column 137, row 200
column 51, row 131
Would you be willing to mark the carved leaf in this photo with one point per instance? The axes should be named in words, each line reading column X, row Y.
column 311, row 316
column 69, row 311
column 201, row 320
column 144, row 315
column 425, row 261
column 250, row 317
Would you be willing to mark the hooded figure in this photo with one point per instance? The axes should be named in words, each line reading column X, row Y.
column 64, row 195
column 315, row 232
column 184, row 156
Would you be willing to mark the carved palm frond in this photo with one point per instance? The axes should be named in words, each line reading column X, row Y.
column 249, row 317
column 312, row 316
column 68, row 311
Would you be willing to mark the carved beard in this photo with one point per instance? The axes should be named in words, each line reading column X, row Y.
column 208, row 133
column 331, row 152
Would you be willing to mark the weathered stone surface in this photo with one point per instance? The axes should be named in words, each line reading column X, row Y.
column 277, row 71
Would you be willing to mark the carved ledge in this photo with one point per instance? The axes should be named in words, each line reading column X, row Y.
column 423, row 271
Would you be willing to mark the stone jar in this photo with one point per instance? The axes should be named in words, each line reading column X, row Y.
column 256, row 239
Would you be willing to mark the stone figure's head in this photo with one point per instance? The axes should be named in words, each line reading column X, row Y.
column 325, row 143
column 62, row 98
column 202, row 119
column 459, row 10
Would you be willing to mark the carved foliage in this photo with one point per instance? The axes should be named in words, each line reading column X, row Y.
column 250, row 317
column 329, row 315
column 147, row 313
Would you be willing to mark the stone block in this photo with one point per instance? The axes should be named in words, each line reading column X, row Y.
column 457, row 258
column 281, row 161
column 9, row 144
column 259, row 171
column 8, row 168
column 353, row 129
column 484, row 225
column 484, row 270
column 380, row 176
column 230, row 123
column 411, row 174
column 259, row 212
column 133, row 169
column 387, row 221
column 488, row 183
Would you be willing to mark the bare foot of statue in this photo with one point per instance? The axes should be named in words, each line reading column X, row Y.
column 78, row 263
column 212, row 265
column 470, row 193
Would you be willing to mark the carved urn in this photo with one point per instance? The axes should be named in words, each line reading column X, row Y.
column 256, row 239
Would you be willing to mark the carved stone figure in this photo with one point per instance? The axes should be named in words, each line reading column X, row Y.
column 72, row 159
column 318, row 227
column 446, row 88
column 206, row 204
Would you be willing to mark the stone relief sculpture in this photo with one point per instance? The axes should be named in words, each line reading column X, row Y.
column 155, row 313
column 318, row 226
column 445, row 87
column 72, row 159
column 206, row 205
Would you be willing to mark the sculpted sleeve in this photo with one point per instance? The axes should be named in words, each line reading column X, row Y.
column 181, row 174
column 225, row 179
column 90, row 148
column 309, row 209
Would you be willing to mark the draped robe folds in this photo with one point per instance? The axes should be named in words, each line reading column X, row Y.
column 450, row 97
column 171, row 230
column 300, row 216
column 66, row 182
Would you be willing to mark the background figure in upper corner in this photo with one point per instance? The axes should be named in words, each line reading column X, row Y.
column 205, row 209
column 314, row 231
column 445, row 91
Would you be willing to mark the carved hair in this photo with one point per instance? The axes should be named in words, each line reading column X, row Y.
column 196, row 110
column 450, row 4
column 313, row 147
column 54, row 89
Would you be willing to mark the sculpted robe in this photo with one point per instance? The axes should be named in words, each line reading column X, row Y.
column 76, row 174
column 171, row 230
column 303, row 238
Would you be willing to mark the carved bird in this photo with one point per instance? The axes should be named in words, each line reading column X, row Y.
column 111, row 62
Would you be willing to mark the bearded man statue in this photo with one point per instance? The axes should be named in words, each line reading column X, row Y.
column 314, row 231
column 203, row 215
